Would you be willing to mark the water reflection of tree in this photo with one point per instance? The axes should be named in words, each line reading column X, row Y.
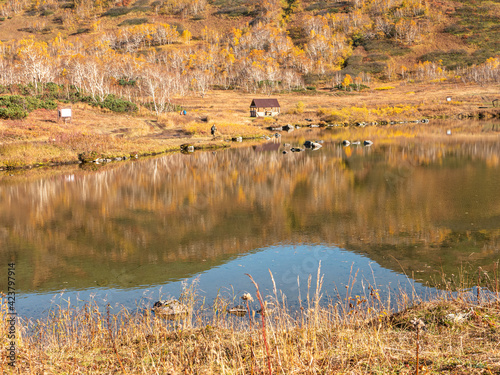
column 428, row 207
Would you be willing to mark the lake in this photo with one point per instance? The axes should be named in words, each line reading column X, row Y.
column 408, row 215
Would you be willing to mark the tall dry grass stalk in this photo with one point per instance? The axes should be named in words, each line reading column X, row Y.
column 358, row 334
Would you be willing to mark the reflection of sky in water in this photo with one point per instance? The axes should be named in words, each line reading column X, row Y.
column 285, row 262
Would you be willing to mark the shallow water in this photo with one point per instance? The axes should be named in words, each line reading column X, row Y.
column 401, row 215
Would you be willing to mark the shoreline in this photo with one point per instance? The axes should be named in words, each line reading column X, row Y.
column 204, row 145
column 99, row 134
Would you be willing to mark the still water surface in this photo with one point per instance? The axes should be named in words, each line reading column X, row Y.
column 399, row 214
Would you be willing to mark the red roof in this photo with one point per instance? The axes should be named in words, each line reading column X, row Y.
column 264, row 103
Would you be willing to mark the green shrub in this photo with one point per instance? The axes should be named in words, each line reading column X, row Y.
column 116, row 12
column 351, row 87
column 127, row 82
column 450, row 59
column 385, row 46
column 48, row 104
column 234, row 12
column 141, row 9
column 13, row 113
column 53, row 91
column 118, row 105
column 81, row 30
column 17, row 107
column 26, row 89
column 134, row 21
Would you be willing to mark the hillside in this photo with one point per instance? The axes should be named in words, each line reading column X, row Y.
column 254, row 45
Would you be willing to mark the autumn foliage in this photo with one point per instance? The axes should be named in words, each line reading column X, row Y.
column 279, row 50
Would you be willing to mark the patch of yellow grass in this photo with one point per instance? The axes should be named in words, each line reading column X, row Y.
column 27, row 153
column 364, row 114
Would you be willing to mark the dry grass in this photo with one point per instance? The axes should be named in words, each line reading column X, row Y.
column 226, row 129
column 356, row 335
column 429, row 100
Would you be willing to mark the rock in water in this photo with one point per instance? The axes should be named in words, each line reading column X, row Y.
column 238, row 310
column 170, row 309
column 316, row 145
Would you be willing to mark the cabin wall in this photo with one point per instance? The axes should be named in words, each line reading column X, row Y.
column 264, row 112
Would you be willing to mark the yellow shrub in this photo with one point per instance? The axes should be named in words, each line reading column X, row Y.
column 300, row 107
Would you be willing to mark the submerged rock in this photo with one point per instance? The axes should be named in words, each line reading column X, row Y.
column 269, row 308
column 238, row 310
column 170, row 308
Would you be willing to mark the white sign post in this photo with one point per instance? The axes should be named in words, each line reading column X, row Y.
column 65, row 114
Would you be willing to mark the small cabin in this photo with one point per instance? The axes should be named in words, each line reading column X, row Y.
column 264, row 107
